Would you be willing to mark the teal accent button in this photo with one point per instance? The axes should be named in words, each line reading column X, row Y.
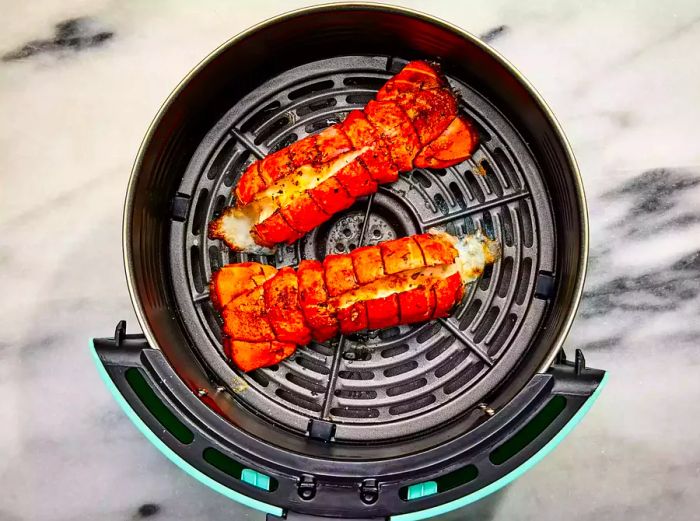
column 255, row 478
column 419, row 490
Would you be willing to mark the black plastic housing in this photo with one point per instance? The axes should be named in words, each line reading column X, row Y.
column 363, row 489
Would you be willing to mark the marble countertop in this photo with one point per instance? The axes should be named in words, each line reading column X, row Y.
column 80, row 81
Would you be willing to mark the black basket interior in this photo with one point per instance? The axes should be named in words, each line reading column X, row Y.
column 392, row 391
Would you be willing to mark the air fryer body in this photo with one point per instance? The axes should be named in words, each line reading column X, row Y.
column 347, row 431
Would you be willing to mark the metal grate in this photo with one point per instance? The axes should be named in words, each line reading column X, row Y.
column 405, row 379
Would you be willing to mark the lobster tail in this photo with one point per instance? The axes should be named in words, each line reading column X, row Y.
column 401, row 281
column 412, row 122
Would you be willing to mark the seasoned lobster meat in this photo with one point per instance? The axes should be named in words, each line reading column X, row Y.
column 412, row 122
column 267, row 312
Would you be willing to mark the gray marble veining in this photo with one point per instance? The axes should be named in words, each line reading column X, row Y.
column 80, row 81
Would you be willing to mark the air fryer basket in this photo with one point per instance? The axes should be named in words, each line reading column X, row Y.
column 392, row 403
column 399, row 381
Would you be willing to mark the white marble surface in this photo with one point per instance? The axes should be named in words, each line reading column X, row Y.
column 624, row 79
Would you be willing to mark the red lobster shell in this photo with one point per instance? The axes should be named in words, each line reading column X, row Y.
column 267, row 312
column 412, row 122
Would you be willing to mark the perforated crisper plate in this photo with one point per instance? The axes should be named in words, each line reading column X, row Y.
column 397, row 381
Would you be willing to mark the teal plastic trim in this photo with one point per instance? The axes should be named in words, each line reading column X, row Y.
column 255, row 478
column 172, row 455
column 512, row 475
column 419, row 490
